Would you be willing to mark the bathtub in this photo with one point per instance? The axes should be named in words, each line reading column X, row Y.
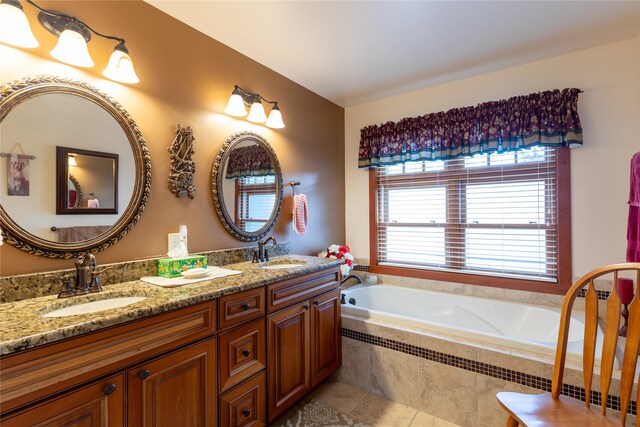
column 523, row 329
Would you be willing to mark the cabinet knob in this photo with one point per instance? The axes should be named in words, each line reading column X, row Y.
column 143, row 375
column 109, row 389
column 316, row 302
column 306, row 306
column 246, row 412
column 245, row 306
column 246, row 353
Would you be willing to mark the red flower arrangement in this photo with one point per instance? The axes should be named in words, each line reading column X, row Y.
column 340, row 252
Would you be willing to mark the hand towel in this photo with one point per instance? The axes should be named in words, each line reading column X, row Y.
column 633, row 223
column 300, row 214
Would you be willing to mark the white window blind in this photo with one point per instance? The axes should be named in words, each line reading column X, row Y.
column 491, row 215
column 256, row 200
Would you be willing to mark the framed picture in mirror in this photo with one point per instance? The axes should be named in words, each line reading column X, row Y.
column 86, row 182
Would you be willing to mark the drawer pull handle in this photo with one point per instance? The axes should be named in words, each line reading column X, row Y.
column 109, row 389
column 306, row 306
column 143, row 375
column 245, row 306
column 246, row 412
column 246, row 353
column 316, row 302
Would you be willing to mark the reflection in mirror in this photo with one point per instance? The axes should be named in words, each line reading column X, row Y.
column 102, row 196
column 250, row 169
column 64, row 119
column 247, row 186
column 74, row 196
column 96, row 172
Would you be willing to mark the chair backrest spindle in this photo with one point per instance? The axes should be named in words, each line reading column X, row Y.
column 609, row 344
column 590, row 334
column 632, row 345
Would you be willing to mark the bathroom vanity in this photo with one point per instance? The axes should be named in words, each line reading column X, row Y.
column 237, row 351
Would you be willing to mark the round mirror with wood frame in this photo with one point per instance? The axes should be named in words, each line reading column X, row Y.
column 18, row 230
column 246, row 185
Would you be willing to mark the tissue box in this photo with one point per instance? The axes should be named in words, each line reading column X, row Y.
column 169, row 267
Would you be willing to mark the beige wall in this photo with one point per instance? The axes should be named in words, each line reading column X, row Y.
column 609, row 110
column 187, row 78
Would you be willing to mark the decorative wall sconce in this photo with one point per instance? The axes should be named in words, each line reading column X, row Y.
column 73, row 36
column 239, row 101
column 72, row 160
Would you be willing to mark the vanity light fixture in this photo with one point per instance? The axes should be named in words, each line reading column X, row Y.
column 240, row 99
column 73, row 36
column 256, row 112
column 72, row 160
column 72, row 46
column 14, row 26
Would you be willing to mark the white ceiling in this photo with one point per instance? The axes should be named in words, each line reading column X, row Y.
column 352, row 52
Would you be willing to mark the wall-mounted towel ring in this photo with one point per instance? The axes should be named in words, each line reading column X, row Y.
column 293, row 186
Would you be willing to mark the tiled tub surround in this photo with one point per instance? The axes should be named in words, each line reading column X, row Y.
column 453, row 379
column 23, row 327
column 16, row 288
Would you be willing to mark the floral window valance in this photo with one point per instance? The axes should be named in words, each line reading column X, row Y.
column 547, row 118
column 249, row 161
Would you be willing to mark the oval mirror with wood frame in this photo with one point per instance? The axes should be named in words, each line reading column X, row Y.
column 40, row 117
column 246, row 184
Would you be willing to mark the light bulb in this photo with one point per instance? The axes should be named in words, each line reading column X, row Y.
column 235, row 106
column 120, row 66
column 256, row 113
column 72, row 47
column 14, row 26
column 275, row 118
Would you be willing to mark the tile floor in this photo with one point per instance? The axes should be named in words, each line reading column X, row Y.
column 340, row 404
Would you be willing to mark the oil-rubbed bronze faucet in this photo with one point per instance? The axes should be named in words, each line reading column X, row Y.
column 262, row 254
column 86, row 279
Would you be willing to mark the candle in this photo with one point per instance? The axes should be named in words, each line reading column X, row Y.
column 625, row 290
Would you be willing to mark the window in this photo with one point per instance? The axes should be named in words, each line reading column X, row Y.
column 501, row 219
column 256, row 197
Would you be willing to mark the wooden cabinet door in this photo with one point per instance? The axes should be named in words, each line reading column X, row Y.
column 176, row 390
column 99, row 404
column 326, row 344
column 288, row 357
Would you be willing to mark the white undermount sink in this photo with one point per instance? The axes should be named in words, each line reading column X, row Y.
column 94, row 306
column 283, row 264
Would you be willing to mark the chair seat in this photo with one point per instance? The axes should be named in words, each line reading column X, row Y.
column 533, row 410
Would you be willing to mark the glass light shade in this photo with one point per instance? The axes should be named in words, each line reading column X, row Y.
column 256, row 114
column 235, row 106
column 72, row 161
column 120, row 66
column 14, row 26
column 72, row 49
column 275, row 118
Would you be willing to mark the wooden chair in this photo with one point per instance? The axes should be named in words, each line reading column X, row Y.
column 551, row 409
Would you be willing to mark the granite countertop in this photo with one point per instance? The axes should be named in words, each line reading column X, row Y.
column 22, row 325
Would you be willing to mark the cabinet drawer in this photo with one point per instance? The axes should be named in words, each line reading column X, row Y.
column 242, row 353
column 34, row 374
column 288, row 292
column 238, row 308
column 245, row 405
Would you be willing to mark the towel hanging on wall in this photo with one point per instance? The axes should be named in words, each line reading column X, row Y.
column 300, row 214
column 633, row 224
